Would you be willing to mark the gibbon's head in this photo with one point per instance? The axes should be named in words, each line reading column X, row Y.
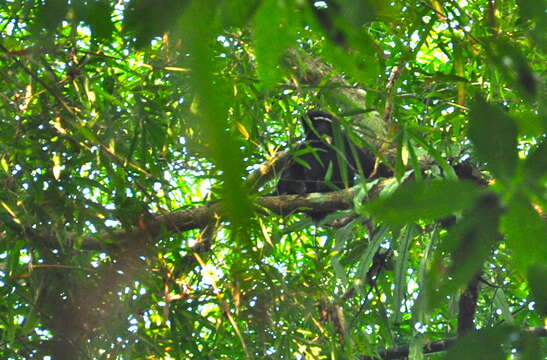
column 318, row 124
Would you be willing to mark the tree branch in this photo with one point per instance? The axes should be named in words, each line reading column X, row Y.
column 200, row 216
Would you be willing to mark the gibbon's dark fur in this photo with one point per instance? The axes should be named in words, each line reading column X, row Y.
column 327, row 160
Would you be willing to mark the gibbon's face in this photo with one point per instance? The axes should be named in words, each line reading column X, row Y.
column 318, row 126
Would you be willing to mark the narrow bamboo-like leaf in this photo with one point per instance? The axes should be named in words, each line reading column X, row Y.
column 500, row 300
column 420, row 310
column 213, row 102
column 341, row 238
column 56, row 166
column 365, row 261
column 459, row 70
column 339, row 271
column 401, row 262
column 447, row 169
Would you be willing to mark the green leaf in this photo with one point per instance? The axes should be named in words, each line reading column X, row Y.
column 496, row 343
column 538, row 286
column 237, row 12
column 535, row 10
column 365, row 262
column 156, row 132
column 342, row 237
column 51, row 13
column 420, row 310
column 98, row 14
column 150, row 18
column 401, row 266
column 525, row 230
column 468, row 245
column 358, row 13
column 500, row 300
column 419, row 138
column 535, row 166
column 214, row 97
column 494, row 134
column 480, row 345
column 273, row 34
column 429, row 199
column 513, row 65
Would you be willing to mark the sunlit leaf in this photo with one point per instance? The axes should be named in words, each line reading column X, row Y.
column 56, row 166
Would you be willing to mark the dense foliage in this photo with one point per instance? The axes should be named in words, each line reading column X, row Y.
column 138, row 150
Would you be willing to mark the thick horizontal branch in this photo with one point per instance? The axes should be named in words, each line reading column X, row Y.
column 200, row 216
column 289, row 204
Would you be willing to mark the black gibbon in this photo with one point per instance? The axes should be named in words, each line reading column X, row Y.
column 327, row 160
